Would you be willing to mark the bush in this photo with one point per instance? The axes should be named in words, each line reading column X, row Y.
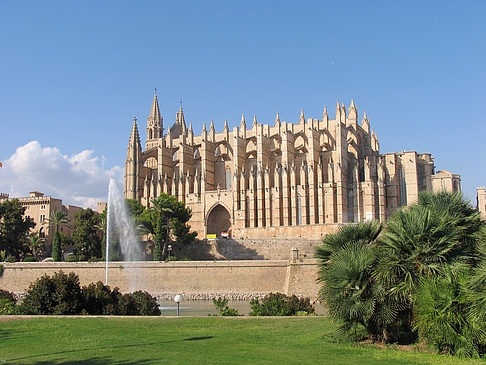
column 60, row 294
column 29, row 259
column 277, row 304
column 6, row 307
column 71, row 258
column 4, row 294
column 139, row 303
column 100, row 299
column 222, row 306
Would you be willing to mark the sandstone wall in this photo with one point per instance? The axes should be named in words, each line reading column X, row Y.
column 247, row 249
column 194, row 278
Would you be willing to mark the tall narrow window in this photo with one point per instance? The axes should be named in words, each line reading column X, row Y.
column 299, row 210
column 228, row 178
column 402, row 187
column 420, row 177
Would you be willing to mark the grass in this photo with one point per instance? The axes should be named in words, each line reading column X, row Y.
column 212, row 340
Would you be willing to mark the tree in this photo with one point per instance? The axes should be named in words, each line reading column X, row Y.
column 169, row 217
column 162, row 213
column 353, row 297
column 35, row 242
column 86, row 240
column 101, row 226
column 13, row 228
column 57, row 219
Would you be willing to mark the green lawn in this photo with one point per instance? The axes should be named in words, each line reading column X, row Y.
column 212, row 340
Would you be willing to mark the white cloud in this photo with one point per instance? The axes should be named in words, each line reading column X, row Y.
column 80, row 179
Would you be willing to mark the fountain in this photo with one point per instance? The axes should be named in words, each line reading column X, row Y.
column 119, row 224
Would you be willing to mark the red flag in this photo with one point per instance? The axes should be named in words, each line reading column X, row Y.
column 1, row 164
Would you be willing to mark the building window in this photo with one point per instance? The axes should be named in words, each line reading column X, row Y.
column 402, row 187
column 299, row 210
column 420, row 177
column 228, row 178
column 42, row 233
column 42, row 218
column 43, row 207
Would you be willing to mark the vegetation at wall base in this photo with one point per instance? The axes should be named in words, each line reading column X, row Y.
column 421, row 275
column 278, row 304
column 221, row 305
column 61, row 294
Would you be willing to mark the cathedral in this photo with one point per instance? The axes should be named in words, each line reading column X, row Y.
column 285, row 180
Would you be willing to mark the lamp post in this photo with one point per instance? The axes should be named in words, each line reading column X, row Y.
column 178, row 299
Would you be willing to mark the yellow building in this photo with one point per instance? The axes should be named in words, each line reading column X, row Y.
column 39, row 207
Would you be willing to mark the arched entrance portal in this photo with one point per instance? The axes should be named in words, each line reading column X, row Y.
column 219, row 221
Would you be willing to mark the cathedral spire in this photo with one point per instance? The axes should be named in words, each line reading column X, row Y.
column 154, row 120
column 254, row 121
column 243, row 123
column 225, row 128
column 155, row 110
column 277, row 119
column 365, row 123
column 325, row 118
column 134, row 136
column 302, row 118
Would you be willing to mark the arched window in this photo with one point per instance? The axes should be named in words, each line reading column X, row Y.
column 42, row 233
column 150, row 134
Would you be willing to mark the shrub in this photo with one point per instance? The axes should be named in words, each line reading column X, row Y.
column 60, row 294
column 445, row 318
column 139, row 303
column 29, row 259
column 222, row 306
column 71, row 258
column 1, row 269
column 4, row 294
column 100, row 299
column 277, row 304
column 6, row 307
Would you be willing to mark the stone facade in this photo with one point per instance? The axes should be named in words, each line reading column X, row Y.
column 288, row 180
column 196, row 280
column 481, row 201
column 39, row 207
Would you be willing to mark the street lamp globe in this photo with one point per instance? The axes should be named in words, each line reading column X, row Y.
column 178, row 299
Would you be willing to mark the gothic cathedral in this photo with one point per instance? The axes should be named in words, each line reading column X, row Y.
column 288, row 180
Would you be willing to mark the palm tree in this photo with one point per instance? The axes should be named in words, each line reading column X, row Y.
column 57, row 219
column 346, row 260
column 162, row 225
column 34, row 241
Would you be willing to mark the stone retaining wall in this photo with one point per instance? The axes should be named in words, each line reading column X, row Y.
column 196, row 279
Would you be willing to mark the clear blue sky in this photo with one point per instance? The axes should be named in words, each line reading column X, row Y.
column 74, row 73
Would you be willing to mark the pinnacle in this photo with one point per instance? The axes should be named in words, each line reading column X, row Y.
column 243, row 118
column 277, row 119
column 155, row 110
column 225, row 124
column 212, row 125
column 352, row 106
column 254, row 120
column 302, row 118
